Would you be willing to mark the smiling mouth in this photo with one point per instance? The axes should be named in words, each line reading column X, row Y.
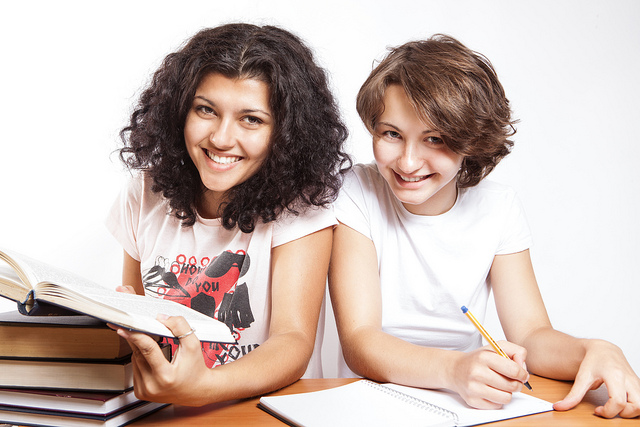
column 223, row 160
column 414, row 178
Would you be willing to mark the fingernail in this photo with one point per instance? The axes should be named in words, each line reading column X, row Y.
column 162, row 317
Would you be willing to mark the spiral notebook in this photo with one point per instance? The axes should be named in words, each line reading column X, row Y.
column 366, row 403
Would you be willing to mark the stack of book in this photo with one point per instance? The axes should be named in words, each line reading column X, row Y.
column 60, row 370
column 66, row 371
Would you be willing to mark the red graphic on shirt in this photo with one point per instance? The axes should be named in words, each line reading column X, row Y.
column 210, row 287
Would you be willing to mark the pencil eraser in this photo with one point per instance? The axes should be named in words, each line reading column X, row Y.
column 464, row 309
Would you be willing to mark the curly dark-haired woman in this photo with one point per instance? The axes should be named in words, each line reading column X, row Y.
column 239, row 145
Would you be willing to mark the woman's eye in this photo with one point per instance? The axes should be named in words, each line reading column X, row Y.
column 392, row 134
column 252, row 120
column 205, row 109
column 435, row 140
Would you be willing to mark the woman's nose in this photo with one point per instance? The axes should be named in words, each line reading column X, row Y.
column 409, row 160
column 222, row 135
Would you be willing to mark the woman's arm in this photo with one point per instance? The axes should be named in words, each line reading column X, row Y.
column 482, row 378
column 554, row 354
column 131, row 276
column 524, row 318
column 299, row 270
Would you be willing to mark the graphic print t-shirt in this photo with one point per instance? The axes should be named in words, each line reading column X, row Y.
column 222, row 273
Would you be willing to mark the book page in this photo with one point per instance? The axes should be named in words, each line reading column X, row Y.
column 11, row 286
column 136, row 312
column 32, row 272
column 521, row 404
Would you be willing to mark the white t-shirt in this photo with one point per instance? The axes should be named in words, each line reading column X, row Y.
column 430, row 266
column 223, row 273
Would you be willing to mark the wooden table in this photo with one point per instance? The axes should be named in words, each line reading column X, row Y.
column 246, row 412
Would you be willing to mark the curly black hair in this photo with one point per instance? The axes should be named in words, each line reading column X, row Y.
column 452, row 88
column 306, row 161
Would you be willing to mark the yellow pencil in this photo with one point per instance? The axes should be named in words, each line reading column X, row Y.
column 486, row 336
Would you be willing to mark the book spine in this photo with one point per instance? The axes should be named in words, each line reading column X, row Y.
column 25, row 306
column 32, row 307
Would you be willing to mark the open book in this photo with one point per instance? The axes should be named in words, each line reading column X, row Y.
column 40, row 289
column 371, row 404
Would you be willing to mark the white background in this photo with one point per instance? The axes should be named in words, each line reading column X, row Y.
column 70, row 73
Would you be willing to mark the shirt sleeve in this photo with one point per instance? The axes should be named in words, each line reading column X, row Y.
column 123, row 218
column 291, row 227
column 351, row 207
column 516, row 234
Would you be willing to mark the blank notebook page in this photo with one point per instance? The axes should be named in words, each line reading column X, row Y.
column 367, row 403
column 360, row 403
column 521, row 404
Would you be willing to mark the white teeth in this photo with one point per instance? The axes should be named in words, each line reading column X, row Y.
column 407, row 179
column 222, row 160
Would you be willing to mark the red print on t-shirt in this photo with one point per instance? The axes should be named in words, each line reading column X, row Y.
column 210, row 287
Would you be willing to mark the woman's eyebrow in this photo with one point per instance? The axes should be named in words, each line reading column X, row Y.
column 424, row 132
column 388, row 124
column 254, row 110
column 204, row 99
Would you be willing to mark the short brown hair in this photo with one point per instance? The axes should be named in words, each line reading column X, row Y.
column 452, row 88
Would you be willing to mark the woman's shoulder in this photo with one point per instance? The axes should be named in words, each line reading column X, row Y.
column 365, row 197
column 290, row 226
column 489, row 196
column 139, row 195
column 365, row 170
column 365, row 176
column 487, row 188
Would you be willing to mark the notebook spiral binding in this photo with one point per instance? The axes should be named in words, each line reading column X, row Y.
column 415, row 401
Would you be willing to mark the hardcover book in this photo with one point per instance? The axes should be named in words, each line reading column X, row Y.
column 35, row 417
column 82, row 402
column 59, row 337
column 40, row 289
column 95, row 375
